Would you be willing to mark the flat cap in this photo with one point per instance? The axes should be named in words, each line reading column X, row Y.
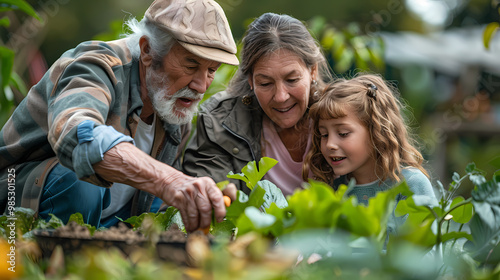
column 200, row 26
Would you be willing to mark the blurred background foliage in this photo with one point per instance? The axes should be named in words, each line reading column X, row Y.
column 432, row 50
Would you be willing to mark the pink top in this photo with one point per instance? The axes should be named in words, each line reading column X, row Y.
column 287, row 173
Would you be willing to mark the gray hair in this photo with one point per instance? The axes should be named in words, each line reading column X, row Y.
column 271, row 32
column 160, row 41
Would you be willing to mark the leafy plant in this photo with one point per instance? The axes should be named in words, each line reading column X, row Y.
column 8, row 77
column 263, row 195
column 348, row 47
column 473, row 223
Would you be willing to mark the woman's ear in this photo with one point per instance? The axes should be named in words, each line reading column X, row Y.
column 314, row 72
column 146, row 57
column 250, row 81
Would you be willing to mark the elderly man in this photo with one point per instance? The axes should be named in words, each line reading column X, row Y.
column 101, row 133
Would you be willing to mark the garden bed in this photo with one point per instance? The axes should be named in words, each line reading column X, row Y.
column 171, row 244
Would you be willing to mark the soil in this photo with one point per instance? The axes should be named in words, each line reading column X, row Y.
column 170, row 245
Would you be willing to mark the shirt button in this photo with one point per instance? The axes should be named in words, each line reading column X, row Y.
column 236, row 150
column 130, row 120
column 365, row 197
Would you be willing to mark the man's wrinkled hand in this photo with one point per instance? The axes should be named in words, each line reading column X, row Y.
column 195, row 198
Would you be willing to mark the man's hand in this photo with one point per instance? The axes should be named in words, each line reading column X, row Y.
column 194, row 197
column 230, row 191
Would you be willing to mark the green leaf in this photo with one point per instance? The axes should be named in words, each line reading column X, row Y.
column 224, row 228
column 167, row 218
column 279, row 213
column 441, row 189
column 328, row 39
column 259, row 220
column 24, row 219
column 489, row 214
column 255, row 220
column 489, row 32
column 19, row 5
column 136, row 221
column 416, row 213
column 376, row 57
column 7, row 62
column 256, row 197
column 455, row 235
column 251, row 173
column 420, row 235
column 314, row 206
column 485, row 245
column 345, row 61
column 273, row 194
column 471, row 167
column 5, row 22
column 222, row 185
column 360, row 220
column 495, row 162
column 78, row 218
column 162, row 219
column 462, row 214
column 54, row 222
column 237, row 207
column 18, row 83
column 316, row 25
column 488, row 191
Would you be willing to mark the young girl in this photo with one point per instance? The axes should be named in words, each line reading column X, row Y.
column 359, row 133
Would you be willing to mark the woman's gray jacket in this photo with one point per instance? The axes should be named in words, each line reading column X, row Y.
column 226, row 137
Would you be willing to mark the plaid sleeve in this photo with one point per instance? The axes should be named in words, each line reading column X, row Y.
column 84, row 89
column 93, row 142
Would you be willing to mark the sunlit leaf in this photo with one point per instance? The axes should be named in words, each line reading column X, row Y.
column 6, row 62
column 222, row 185
column 19, row 5
column 18, row 83
column 489, row 32
column 316, row 25
column 462, row 214
column 251, row 173
column 5, row 22
column 420, row 235
column 345, row 61
column 253, row 219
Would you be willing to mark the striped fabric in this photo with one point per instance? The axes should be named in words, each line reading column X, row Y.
column 95, row 81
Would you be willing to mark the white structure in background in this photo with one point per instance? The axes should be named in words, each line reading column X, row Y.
column 449, row 52
column 460, row 55
column 436, row 14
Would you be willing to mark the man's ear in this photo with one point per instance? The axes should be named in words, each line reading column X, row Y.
column 146, row 57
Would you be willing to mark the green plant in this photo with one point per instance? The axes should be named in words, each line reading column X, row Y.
column 349, row 48
column 8, row 77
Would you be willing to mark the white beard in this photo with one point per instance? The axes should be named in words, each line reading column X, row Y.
column 164, row 102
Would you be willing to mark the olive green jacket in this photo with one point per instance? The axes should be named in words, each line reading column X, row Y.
column 226, row 138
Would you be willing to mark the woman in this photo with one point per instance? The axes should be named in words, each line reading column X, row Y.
column 263, row 112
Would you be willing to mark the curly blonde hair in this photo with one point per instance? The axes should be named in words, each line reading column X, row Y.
column 378, row 106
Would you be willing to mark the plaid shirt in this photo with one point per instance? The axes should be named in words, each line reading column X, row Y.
column 86, row 103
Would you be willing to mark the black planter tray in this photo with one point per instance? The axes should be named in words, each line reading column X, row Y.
column 168, row 251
